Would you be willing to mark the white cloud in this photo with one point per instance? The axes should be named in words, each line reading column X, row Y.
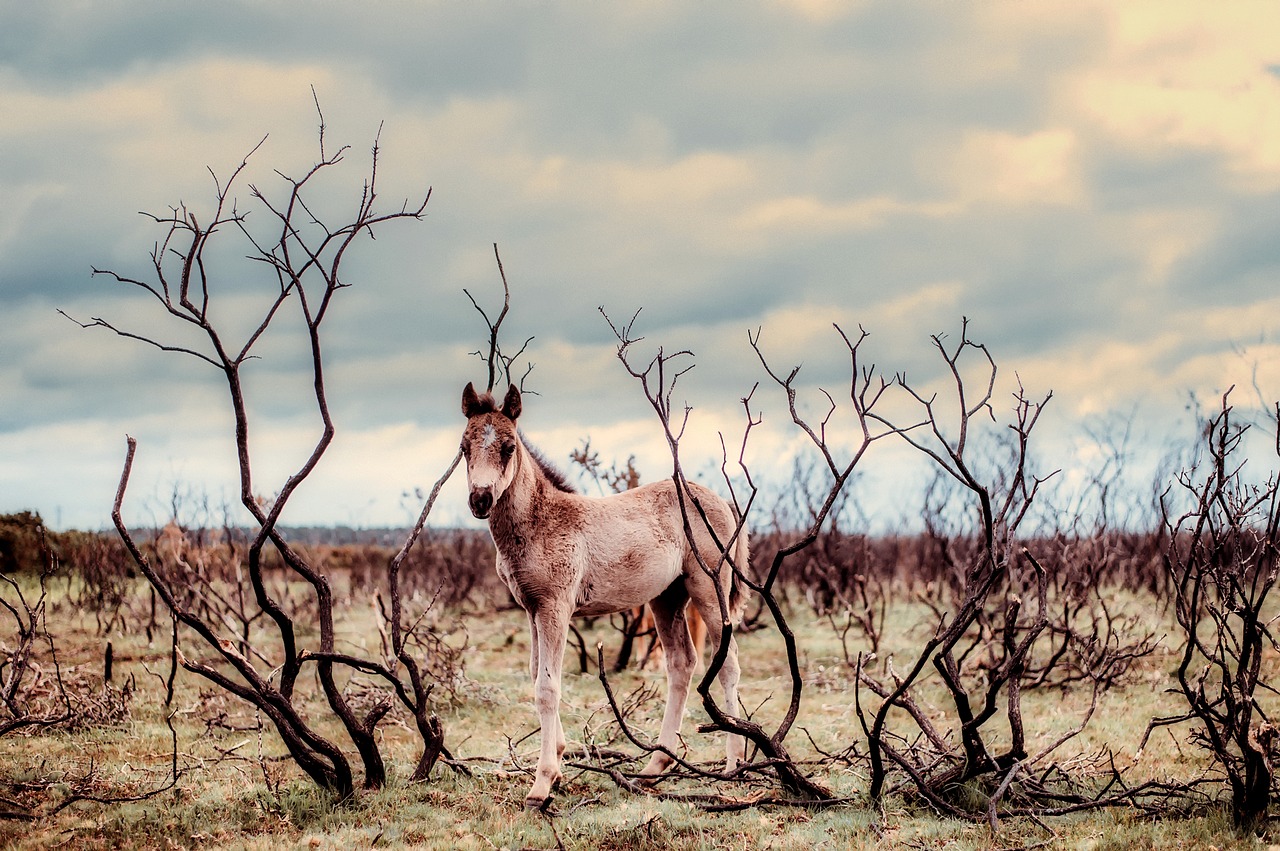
column 1164, row 238
column 1195, row 351
column 1021, row 170
column 21, row 198
column 821, row 10
column 157, row 120
column 1190, row 76
column 785, row 216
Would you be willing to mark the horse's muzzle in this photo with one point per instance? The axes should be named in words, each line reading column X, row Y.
column 481, row 503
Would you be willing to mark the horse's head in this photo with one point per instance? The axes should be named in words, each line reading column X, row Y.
column 489, row 444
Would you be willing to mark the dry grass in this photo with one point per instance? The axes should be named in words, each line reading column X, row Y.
column 238, row 790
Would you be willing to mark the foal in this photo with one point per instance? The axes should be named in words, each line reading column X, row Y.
column 563, row 554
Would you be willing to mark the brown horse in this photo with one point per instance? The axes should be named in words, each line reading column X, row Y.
column 563, row 554
column 652, row 659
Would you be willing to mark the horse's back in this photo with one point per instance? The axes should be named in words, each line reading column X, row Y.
column 705, row 509
column 659, row 499
column 635, row 546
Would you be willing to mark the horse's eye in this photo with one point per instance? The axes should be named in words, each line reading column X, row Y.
column 466, row 449
column 508, row 449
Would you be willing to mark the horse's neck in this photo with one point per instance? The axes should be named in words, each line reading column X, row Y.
column 515, row 513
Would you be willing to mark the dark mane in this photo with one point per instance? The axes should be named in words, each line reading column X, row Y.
column 485, row 404
column 558, row 479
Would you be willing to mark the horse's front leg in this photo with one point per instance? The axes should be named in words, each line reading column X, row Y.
column 550, row 630
column 533, row 648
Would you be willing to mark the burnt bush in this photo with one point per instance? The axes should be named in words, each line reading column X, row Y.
column 21, row 537
column 450, row 568
column 106, row 577
column 838, row 563
column 1223, row 558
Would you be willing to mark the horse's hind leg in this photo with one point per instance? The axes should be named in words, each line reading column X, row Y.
column 709, row 608
column 673, row 631
column 550, row 629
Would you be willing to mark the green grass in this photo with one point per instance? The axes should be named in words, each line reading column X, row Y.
column 223, row 800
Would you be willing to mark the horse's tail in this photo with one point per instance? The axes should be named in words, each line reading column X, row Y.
column 742, row 565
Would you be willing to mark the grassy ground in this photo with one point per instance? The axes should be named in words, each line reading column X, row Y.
column 237, row 791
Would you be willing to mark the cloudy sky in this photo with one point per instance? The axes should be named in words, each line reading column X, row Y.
column 1096, row 186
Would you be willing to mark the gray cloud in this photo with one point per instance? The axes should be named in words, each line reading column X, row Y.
column 1240, row 264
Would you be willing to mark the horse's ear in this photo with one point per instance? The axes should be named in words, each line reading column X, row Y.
column 470, row 401
column 511, row 404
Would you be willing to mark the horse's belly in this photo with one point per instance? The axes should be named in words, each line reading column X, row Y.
column 624, row 585
column 596, row 608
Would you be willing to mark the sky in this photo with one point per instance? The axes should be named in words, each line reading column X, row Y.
column 1095, row 186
